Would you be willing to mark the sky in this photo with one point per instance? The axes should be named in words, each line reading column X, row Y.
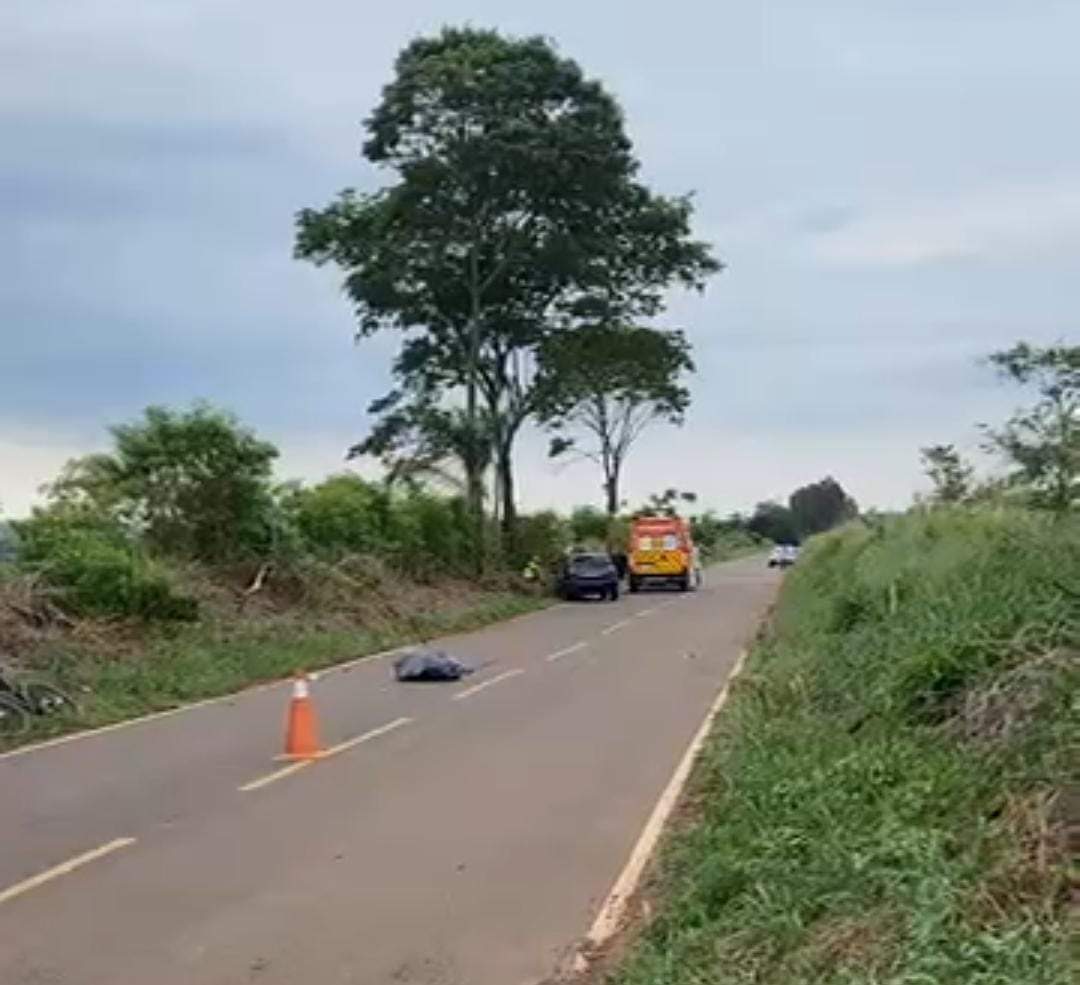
column 894, row 187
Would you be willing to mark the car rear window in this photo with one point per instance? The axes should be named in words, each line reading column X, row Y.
column 590, row 565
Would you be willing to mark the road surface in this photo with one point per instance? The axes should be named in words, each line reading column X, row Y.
column 463, row 834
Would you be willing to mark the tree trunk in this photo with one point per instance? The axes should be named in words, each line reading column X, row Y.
column 611, row 488
column 474, row 475
column 474, row 478
column 508, row 521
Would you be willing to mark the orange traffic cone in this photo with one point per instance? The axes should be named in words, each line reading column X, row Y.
column 301, row 730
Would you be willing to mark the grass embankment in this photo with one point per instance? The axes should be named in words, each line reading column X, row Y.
column 731, row 547
column 119, row 671
column 889, row 795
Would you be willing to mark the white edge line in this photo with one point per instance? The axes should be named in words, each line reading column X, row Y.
column 615, row 627
column 559, row 654
column 611, row 913
column 64, row 868
column 469, row 692
column 285, row 771
column 644, row 613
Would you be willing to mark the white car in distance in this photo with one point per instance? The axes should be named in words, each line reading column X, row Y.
column 783, row 556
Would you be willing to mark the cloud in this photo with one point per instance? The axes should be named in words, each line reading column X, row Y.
column 31, row 457
column 993, row 224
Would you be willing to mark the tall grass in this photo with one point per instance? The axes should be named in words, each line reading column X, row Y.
column 885, row 797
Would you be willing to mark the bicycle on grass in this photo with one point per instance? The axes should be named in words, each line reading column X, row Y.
column 24, row 697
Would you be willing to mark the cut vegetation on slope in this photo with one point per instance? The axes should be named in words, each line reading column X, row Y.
column 312, row 616
column 888, row 796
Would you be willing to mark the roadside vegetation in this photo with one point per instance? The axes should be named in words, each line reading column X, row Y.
column 175, row 567
column 892, row 795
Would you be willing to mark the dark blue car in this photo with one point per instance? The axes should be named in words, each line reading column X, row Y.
column 584, row 575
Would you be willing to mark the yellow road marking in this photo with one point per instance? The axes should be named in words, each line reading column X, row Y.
column 63, row 868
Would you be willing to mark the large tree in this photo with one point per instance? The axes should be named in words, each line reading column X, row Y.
column 820, row 506
column 610, row 382
column 1043, row 441
column 514, row 210
column 773, row 521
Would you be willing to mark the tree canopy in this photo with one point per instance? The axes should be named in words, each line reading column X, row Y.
column 666, row 503
column 773, row 521
column 515, row 212
column 420, row 440
column 820, row 506
column 949, row 473
column 1043, row 441
column 194, row 483
column 610, row 382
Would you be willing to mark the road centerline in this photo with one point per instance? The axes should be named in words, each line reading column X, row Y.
column 341, row 747
column 476, row 689
column 64, row 868
column 559, row 654
column 265, row 781
column 615, row 627
column 367, row 736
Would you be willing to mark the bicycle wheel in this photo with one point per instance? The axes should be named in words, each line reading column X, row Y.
column 45, row 699
column 14, row 718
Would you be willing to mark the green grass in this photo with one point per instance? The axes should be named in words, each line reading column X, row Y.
column 883, row 799
column 731, row 547
column 205, row 661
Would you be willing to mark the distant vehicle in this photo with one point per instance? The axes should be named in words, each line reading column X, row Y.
column 783, row 556
column 662, row 551
column 582, row 575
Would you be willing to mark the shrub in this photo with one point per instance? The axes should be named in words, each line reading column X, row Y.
column 430, row 535
column 589, row 526
column 193, row 483
column 97, row 571
column 343, row 514
column 543, row 536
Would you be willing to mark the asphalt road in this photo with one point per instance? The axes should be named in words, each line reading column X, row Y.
column 465, row 834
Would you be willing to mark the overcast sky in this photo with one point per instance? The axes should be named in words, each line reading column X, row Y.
column 895, row 187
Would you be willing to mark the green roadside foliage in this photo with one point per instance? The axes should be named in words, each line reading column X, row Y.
column 886, row 796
